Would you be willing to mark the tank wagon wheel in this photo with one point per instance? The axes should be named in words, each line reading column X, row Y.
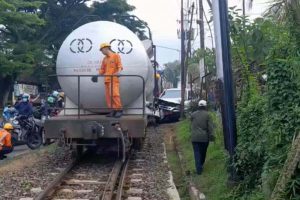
column 77, row 150
column 138, row 143
column 45, row 141
column 152, row 121
column 127, row 140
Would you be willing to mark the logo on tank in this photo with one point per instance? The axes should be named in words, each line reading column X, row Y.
column 121, row 46
column 81, row 45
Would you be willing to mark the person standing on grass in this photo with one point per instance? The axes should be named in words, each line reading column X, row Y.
column 202, row 133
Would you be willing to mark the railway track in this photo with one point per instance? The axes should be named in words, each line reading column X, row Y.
column 87, row 179
column 104, row 177
column 108, row 180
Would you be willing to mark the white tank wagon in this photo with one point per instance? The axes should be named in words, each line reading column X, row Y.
column 78, row 60
column 80, row 55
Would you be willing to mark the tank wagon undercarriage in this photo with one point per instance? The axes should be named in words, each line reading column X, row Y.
column 93, row 130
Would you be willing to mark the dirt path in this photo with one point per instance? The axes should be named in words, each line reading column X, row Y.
column 169, row 131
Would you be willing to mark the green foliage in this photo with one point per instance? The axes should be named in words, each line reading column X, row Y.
column 252, row 42
column 251, row 141
column 105, row 10
column 268, row 114
column 283, row 112
column 172, row 72
column 17, row 33
column 60, row 16
column 32, row 31
column 209, row 59
column 293, row 190
column 284, row 100
column 116, row 10
column 287, row 13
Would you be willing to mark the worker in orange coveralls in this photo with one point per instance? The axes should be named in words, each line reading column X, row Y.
column 111, row 65
column 6, row 146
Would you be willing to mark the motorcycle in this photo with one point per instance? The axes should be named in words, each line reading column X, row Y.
column 26, row 131
column 41, row 114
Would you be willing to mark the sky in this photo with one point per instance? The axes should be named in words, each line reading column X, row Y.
column 162, row 17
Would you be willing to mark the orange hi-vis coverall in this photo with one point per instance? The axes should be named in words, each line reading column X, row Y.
column 111, row 65
column 5, row 139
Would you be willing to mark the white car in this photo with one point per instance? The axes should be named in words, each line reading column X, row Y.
column 169, row 103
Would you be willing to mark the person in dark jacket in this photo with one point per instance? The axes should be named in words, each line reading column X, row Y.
column 24, row 107
column 202, row 133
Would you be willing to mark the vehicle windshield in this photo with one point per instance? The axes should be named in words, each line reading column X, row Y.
column 171, row 94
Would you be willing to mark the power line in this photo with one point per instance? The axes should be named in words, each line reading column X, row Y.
column 164, row 47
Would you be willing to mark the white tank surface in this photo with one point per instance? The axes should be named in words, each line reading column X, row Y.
column 80, row 55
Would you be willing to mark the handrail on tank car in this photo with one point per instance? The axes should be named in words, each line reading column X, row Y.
column 111, row 81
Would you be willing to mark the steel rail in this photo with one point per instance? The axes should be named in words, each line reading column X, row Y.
column 121, row 180
column 112, row 180
column 50, row 188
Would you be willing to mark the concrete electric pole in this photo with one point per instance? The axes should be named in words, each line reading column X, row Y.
column 182, row 59
column 224, row 76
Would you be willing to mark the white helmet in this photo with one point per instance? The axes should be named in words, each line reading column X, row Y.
column 25, row 95
column 202, row 103
column 55, row 93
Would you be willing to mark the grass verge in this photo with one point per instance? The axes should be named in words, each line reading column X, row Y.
column 173, row 160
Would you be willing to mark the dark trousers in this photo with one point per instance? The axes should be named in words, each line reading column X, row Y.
column 5, row 150
column 200, row 149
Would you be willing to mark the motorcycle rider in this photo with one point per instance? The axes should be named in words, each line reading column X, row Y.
column 51, row 103
column 6, row 146
column 24, row 107
column 8, row 112
column 61, row 99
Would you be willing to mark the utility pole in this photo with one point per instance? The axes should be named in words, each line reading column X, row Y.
column 156, row 89
column 189, row 44
column 244, row 8
column 182, row 61
column 225, row 80
column 202, row 45
column 191, row 31
column 201, row 24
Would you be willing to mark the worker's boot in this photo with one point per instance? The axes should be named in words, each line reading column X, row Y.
column 111, row 114
column 2, row 157
column 118, row 113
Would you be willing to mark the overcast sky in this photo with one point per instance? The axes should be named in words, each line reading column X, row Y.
column 162, row 16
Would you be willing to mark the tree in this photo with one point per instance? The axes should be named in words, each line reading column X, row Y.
column 267, row 111
column 116, row 10
column 287, row 12
column 18, row 49
column 32, row 31
column 64, row 16
column 60, row 17
column 172, row 72
column 209, row 58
